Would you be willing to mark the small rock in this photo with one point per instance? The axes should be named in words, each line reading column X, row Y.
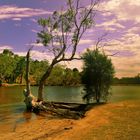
column 67, row 128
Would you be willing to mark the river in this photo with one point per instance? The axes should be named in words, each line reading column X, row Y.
column 12, row 107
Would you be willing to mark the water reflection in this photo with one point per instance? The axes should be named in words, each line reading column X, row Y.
column 64, row 94
column 13, row 114
column 13, row 111
column 10, row 95
column 12, row 108
column 27, row 116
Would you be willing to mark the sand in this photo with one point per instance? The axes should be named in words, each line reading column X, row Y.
column 116, row 121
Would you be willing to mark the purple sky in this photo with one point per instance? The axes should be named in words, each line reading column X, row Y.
column 119, row 18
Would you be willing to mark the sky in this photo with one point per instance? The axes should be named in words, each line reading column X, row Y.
column 118, row 19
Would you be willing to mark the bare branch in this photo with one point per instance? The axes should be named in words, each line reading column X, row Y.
column 100, row 39
column 69, row 59
column 113, row 54
column 98, row 45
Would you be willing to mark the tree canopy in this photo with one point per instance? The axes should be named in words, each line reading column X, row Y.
column 12, row 67
column 97, row 76
column 62, row 32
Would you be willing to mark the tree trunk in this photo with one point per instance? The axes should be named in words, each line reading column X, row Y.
column 21, row 78
column 40, row 91
column 42, row 82
column 30, row 100
column 32, row 104
column 98, row 97
column 27, row 91
column 27, row 73
column 97, row 92
column 98, row 100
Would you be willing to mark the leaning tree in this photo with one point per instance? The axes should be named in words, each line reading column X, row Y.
column 61, row 33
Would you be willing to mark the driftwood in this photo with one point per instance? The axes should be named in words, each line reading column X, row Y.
column 31, row 101
column 66, row 110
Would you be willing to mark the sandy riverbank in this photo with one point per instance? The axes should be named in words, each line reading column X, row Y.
column 118, row 121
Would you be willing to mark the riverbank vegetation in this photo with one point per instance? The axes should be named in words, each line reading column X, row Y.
column 12, row 72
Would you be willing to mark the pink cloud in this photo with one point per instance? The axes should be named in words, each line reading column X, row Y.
column 16, row 13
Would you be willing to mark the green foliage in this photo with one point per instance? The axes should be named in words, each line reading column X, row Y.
column 37, row 69
column 66, row 27
column 63, row 77
column 7, row 65
column 7, row 52
column 56, row 76
column 97, row 75
column 43, row 22
column 52, row 26
column 12, row 70
column 88, row 22
column 45, row 37
column 19, row 71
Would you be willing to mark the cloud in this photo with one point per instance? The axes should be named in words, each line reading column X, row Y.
column 111, row 25
column 2, row 47
column 85, row 41
column 16, row 13
column 34, row 20
column 123, row 9
column 134, row 30
column 73, row 64
column 127, row 61
column 16, row 19
column 35, row 44
column 41, row 55
column 35, row 31
column 37, row 55
column 125, row 66
column 21, row 53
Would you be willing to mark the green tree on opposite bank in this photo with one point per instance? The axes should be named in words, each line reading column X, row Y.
column 12, row 70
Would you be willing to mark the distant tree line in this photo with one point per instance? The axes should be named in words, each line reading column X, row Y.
column 12, row 70
column 127, row 80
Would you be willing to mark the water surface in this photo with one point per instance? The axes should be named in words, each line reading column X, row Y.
column 12, row 107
